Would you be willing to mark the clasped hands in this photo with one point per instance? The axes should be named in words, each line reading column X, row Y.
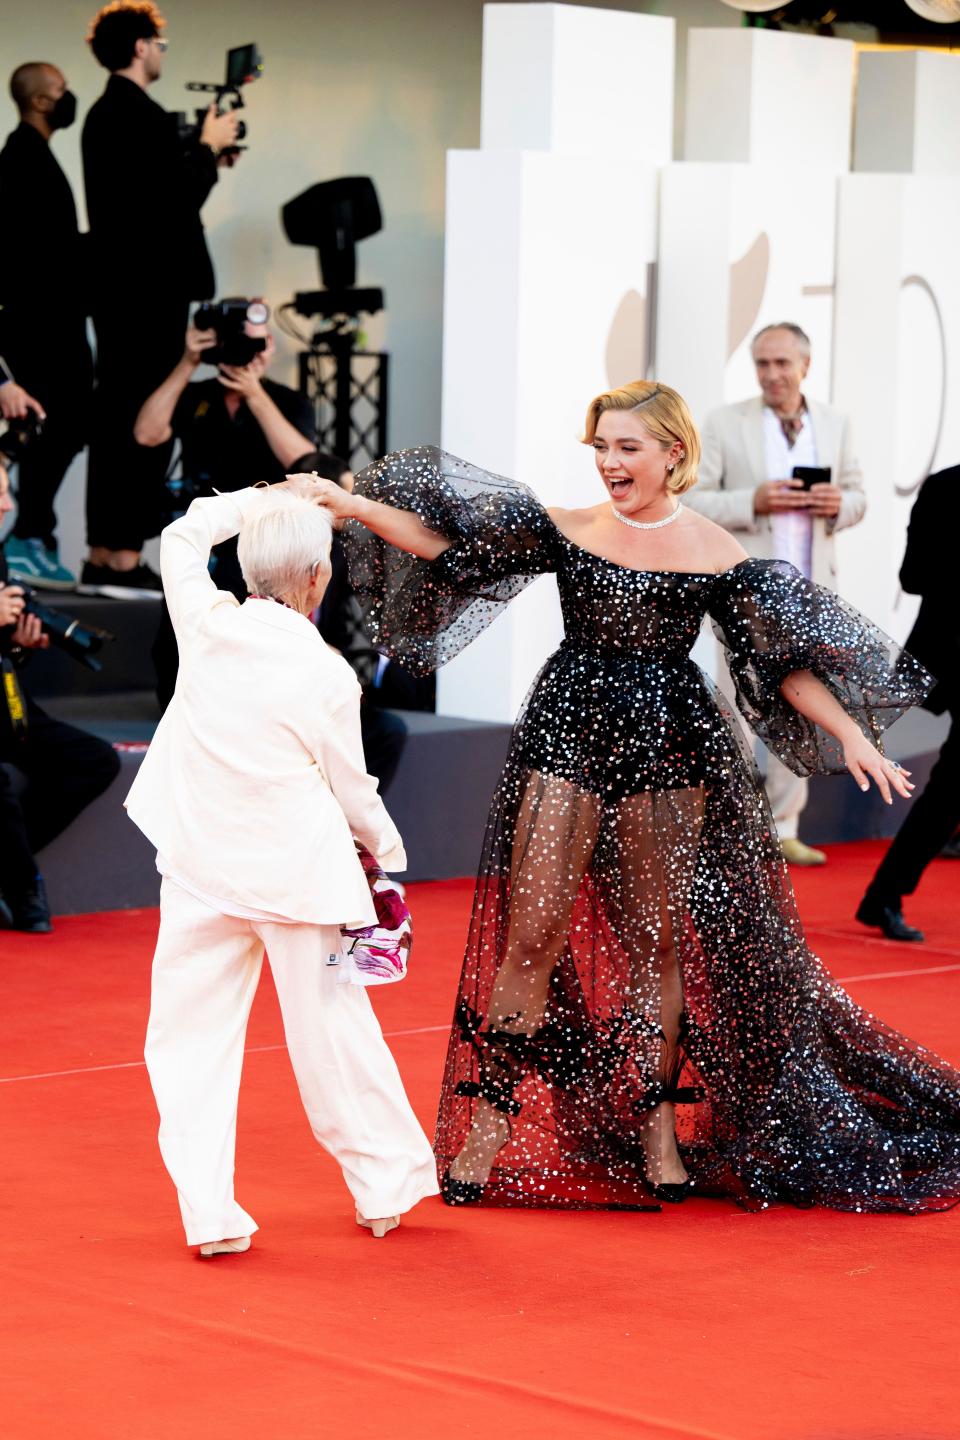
column 338, row 500
column 774, row 497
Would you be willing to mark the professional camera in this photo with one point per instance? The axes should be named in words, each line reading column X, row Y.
column 82, row 642
column 244, row 65
column 19, row 434
column 228, row 319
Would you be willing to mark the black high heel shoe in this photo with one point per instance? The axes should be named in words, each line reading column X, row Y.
column 459, row 1192
column 676, row 1191
column 671, row 1194
column 503, row 1060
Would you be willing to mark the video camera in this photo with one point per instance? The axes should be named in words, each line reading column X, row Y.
column 227, row 318
column 82, row 642
column 244, row 65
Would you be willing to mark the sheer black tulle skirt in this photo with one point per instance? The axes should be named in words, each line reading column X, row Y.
column 631, row 873
column 784, row 1088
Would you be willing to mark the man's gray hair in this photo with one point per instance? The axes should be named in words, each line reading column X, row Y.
column 801, row 336
column 282, row 544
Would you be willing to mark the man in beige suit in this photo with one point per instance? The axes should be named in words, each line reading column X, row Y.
column 746, row 484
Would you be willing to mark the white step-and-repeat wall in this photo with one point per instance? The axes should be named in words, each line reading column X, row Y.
column 580, row 256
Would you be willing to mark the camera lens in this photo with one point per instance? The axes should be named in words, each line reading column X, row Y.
column 258, row 313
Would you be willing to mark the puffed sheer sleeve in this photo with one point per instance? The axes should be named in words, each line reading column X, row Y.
column 424, row 612
column 771, row 621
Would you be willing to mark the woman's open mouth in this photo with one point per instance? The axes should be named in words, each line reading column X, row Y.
column 619, row 487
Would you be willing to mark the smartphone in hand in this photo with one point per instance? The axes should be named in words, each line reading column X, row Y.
column 812, row 475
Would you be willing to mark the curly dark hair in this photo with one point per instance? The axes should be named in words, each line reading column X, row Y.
column 115, row 30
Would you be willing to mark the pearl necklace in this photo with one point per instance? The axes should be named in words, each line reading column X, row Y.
column 647, row 524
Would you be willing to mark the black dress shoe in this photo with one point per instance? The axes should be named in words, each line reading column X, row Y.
column 889, row 919
column 30, row 910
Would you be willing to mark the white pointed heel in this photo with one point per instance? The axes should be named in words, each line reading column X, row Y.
column 379, row 1228
column 225, row 1247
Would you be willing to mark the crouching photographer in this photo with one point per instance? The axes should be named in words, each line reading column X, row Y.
column 64, row 768
column 235, row 429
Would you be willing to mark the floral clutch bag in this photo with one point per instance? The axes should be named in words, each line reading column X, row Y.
column 378, row 954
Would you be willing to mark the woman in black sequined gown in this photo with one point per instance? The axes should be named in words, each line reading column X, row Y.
column 638, row 1007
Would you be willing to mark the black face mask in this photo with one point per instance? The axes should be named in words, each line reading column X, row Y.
column 64, row 111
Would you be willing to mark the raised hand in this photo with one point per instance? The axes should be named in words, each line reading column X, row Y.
column 197, row 342
column 339, row 503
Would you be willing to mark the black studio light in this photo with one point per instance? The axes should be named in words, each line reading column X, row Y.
column 346, row 381
column 892, row 20
column 332, row 217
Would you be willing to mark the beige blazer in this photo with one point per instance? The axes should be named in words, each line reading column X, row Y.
column 255, row 782
column 733, row 464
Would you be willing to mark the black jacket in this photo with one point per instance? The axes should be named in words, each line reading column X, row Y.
column 145, row 187
column 929, row 570
column 44, row 285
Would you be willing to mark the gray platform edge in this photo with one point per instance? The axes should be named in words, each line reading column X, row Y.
column 439, row 800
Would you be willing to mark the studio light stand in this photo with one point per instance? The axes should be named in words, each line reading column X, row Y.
column 347, row 385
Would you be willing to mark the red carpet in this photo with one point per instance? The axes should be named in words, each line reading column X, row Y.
column 699, row 1322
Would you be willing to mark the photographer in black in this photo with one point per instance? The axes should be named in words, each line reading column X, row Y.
column 145, row 186
column 65, row 768
column 234, row 429
column 44, row 293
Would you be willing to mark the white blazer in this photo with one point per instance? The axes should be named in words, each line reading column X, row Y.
column 733, row 464
column 255, row 782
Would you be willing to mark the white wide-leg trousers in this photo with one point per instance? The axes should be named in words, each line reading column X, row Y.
column 787, row 794
column 205, row 974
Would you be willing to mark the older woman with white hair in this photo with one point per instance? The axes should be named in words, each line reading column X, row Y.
column 254, row 792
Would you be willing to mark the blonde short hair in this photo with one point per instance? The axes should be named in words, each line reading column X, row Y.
column 664, row 413
column 282, row 543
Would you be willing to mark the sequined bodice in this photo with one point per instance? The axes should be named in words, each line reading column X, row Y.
column 607, row 606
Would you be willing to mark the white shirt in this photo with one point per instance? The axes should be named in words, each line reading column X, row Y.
column 792, row 529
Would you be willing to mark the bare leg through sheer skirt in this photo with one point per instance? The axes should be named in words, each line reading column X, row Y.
column 555, row 836
column 555, row 841
column 658, row 834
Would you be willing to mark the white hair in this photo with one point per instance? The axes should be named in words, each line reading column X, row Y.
column 282, row 543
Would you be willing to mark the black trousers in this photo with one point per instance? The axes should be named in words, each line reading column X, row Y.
column 61, row 378
column 65, row 768
column 136, row 350
column 932, row 819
